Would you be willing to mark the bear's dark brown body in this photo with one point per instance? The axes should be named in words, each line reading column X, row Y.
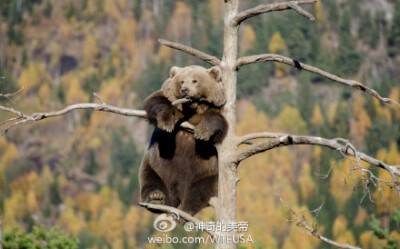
column 180, row 168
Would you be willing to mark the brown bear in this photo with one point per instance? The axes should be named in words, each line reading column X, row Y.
column 180, row 167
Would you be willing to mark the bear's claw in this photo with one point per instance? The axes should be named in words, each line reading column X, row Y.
column 202, row 134
column 156, row 197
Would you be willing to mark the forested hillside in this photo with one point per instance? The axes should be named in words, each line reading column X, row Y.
column 80, row 171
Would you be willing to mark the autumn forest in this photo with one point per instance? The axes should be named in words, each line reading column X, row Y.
column 79, row 172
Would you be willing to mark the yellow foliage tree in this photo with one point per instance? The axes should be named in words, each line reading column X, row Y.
column 95, row 205
column 306, row 183
column 278, row 46
column 383, row 112
column 126, row 35
column 384, row 196
column 105, row 195
column 262, row 168
column 44, row 95
column 369, row 241
column 46, row 179
column 111, row 9
column 216, row 9
column 10, row 154
column 32, row 201
column 393, row 156
column 111, row 222
column 72, row 221
column 75, row 94
column 180, row 24
column 35, row 75
column 3, row 144
column 362, row 216
column 316, row 156
column 62, row 183
column 248, row 38
column 90, row 52
column 395, row 95
column 339, row 226
column 317, row 118
column 131, row 224
column 332, row 113
column 164, row 53
column 361, row 122
column 14, row 209
column 342, row 182
column 111, row 92
column 318, row 14
column 290, row 120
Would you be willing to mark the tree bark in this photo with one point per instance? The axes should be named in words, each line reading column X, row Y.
column 226, row 207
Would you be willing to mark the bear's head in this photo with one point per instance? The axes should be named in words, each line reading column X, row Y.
column 196, row 83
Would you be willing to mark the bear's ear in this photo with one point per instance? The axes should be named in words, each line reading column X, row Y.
column 174, row 71
column 217, row 95
column 215, row 73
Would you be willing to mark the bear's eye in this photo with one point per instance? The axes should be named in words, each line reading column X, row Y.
column 194, row 81
column 182, row 82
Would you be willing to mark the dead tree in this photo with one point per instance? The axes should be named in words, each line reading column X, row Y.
column 229, row 154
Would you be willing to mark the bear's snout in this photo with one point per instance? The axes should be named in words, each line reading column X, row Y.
column 185, row 92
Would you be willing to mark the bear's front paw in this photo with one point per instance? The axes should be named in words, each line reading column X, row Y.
column 166, row 120
column 156, row 197
column 201, row 132
column 166, row 125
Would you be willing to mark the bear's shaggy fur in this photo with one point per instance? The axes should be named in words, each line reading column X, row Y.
column 180, row 168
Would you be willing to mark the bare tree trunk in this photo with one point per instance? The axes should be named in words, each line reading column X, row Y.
column 226, row 208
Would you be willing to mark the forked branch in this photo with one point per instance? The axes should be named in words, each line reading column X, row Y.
column 10, row 95
column 189, row 50
column 335, row 144
column 311, row 229
column 291, row 62
column 265, row 8
column 21, row 118
column 172, row 210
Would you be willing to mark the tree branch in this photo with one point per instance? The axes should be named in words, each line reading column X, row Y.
column 265, row 8
column 335, row 144
column 189, row 50
column 246, row 139
column 10, row 95
column 22, row 118
column 312, row 229
column 288, row 61
column 172, row 210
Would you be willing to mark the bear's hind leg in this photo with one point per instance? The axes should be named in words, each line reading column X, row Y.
column 199, row 194
column 152, row 188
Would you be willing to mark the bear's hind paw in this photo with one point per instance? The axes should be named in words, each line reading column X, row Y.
column 156, row 197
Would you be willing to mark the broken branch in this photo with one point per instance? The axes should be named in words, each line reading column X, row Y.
column 311, row 230
column 189, row 50
column 288, row 61
column 265, row 8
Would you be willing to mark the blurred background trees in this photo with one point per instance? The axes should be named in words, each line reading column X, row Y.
column 80, row 172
